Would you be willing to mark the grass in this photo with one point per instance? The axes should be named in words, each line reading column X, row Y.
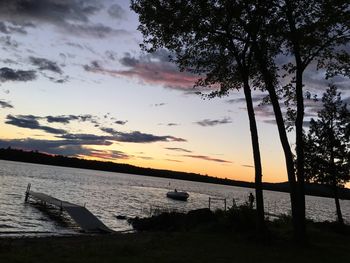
column 201, row 237
column 325, row 245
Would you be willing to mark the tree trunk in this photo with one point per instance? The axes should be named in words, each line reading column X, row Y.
column 300, row 155
column 337, row 205
column 260, row 224
column 294, row 38
column 268, row 79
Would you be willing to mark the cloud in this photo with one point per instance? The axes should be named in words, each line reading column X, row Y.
column 153, row 68
column 72, row 16
column 129, row 61
column 61, row 119
column 247, row 165
column 66, row 119
column 48, row 10
column 8, row 74
column 94, row 66
column 116, row 11
column 172, row 160
column 120, row 122
column 139, row 137
column 208, row 122
column 4, row 104
column 62, row 147
column 109, row 155
column 31, row 122
column 9, row 28
column 8, row 42
column 87, row 139
column 45, row 64
column 347, row 101
column 173, row 124
column 96, row 30
column 158, row 104
column 178, row 149
column 207, row 158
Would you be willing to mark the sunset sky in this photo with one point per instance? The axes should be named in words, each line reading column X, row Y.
column 73, row 81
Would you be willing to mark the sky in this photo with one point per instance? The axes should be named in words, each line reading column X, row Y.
column 74, row 81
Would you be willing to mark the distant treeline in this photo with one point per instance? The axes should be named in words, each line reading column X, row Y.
column 59, row 160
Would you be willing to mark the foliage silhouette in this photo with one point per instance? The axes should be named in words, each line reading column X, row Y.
column 327, row 151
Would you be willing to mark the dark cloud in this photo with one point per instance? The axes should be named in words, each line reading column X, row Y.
column 8, row 74
column 90, row 139
column 96, row 30
column 178, row 149
column 71, row 16
column 48, row 10
column 109, row 130
column 208, row 122
column 120, row 122
column 76, row 45
column 31, row 122
column 61, row 119
column 3, row 28
column 159, row 104
column 111, row 55
column 65, row 119
column 173, row 160
column 207, row 158
column 347, row 101
column 9, row 28
column 247, row 165
column 8, row 42
column 172, row 124
column 109, row 155
column 116, row 11
column 4, row 104
column 45, row 64
column 94, row 66
column 62, row 147
column 139, row 137
column 129, row 61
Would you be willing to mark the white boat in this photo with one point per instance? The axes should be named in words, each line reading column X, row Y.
column 182, row 196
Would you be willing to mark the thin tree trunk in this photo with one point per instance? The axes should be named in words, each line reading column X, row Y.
column 335, row 175
column 301, row 229
column 268, row 79
column 288, row 158
column 300, row 155
column 257, row 161
column 337, row 205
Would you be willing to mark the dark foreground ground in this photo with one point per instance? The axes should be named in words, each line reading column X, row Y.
column 326, row 244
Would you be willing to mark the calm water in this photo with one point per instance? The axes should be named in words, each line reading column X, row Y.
column 110, row 194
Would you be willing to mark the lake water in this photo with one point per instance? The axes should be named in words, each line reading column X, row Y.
column 108, row 194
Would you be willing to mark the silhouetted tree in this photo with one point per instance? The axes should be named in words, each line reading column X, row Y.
column 327, row 146
column 315, row 32
column 208, row 39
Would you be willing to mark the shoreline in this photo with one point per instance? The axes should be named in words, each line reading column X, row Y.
column 70, row 162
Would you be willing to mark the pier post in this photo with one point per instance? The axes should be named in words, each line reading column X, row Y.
column 27, row 193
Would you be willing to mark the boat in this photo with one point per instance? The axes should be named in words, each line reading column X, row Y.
column 177, row 195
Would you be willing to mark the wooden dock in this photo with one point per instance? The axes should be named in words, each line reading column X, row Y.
column 87, row 221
